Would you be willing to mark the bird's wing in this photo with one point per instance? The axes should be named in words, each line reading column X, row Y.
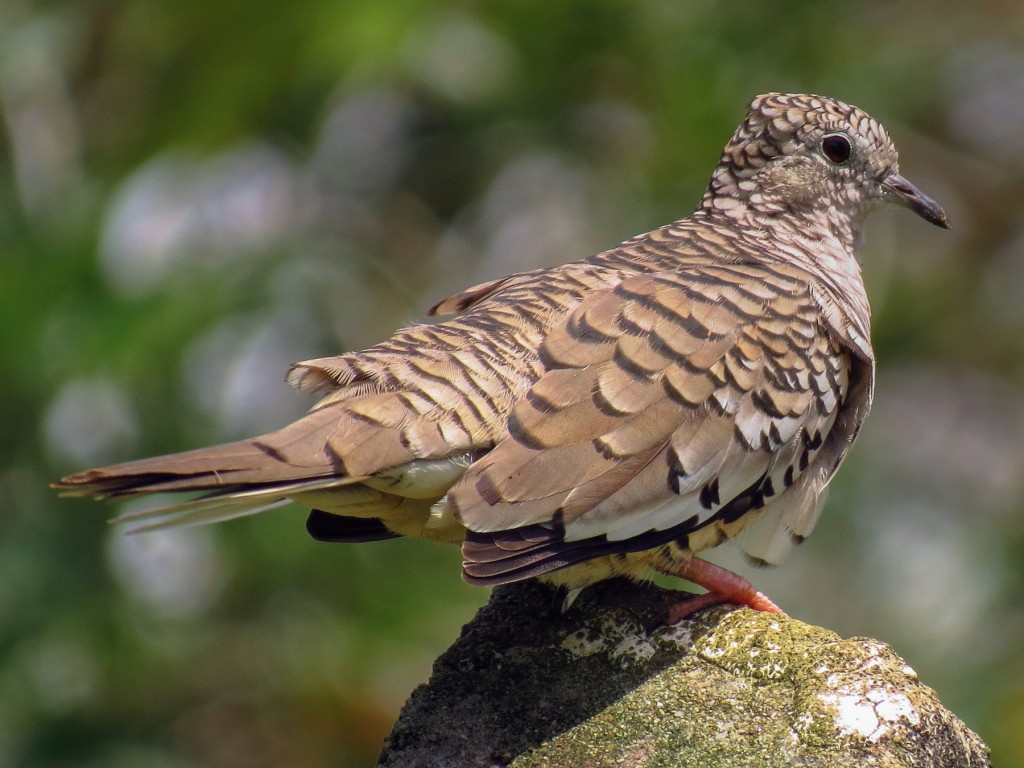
column 671, row 401
column 405, row 417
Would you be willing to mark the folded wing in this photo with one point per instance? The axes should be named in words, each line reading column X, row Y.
column 674, row 403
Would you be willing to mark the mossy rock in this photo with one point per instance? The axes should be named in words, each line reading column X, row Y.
column 607, row 683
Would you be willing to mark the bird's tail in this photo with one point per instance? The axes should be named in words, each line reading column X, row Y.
column 236, row 479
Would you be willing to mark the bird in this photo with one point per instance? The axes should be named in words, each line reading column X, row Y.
column 611, row 416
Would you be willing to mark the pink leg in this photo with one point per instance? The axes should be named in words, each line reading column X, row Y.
column 722, row 585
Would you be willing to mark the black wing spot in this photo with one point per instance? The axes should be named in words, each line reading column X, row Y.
column 813, row 442
column 709, row 494
column 675, row 470
column 787, row 478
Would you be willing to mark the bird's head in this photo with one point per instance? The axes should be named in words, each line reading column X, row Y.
column 800, row 156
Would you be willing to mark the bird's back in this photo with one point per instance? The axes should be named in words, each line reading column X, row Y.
column 400, row 422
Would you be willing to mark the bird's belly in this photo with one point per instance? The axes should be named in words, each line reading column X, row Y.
column 420, row 518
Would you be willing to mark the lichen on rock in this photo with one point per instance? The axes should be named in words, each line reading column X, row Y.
column 607, row 683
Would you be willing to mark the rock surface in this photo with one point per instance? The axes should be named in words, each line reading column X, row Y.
column 608, row 684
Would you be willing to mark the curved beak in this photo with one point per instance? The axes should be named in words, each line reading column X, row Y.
column 902, row 192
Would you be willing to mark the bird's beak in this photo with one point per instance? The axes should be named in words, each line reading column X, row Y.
column 902, row 192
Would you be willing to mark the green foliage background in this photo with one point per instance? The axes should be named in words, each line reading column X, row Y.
column 194, row 195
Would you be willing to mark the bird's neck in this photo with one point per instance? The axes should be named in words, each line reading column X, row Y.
column 822, row 243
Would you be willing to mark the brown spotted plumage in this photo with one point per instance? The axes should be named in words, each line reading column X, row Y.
column 613, row 415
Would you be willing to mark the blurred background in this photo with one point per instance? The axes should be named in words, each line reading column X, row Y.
column 194, row 195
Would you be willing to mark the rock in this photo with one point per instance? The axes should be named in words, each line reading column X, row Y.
column 606, row 683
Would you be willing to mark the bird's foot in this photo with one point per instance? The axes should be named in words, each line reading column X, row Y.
column 722, row 585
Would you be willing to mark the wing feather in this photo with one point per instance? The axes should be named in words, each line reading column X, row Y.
column 673, row 403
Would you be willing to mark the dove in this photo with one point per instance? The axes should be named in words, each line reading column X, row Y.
column 611, row 416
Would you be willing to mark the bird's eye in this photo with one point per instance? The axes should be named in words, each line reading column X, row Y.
column 836, row 148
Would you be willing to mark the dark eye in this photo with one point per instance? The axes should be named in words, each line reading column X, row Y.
column 836, row 148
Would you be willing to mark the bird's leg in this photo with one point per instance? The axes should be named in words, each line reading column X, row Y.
column 722, row 585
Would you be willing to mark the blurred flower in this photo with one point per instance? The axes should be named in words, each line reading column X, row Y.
column 363, row 145
column 939, row 486
column 1002, row 285
column 987, row 100
column 534, row 214
column 178, row 207
column 175, row 573
column 236, row 372
column 459, row 58
column 615, row 131
column 90, row 421
column 63, row 670
column 41, row 121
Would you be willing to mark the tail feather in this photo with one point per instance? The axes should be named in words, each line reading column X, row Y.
column 238, row 479
column 229, row 465
column 305, row 461
column 225, row 504
column 226, row 509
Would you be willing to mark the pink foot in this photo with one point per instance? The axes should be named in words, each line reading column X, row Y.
column 722, row 585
